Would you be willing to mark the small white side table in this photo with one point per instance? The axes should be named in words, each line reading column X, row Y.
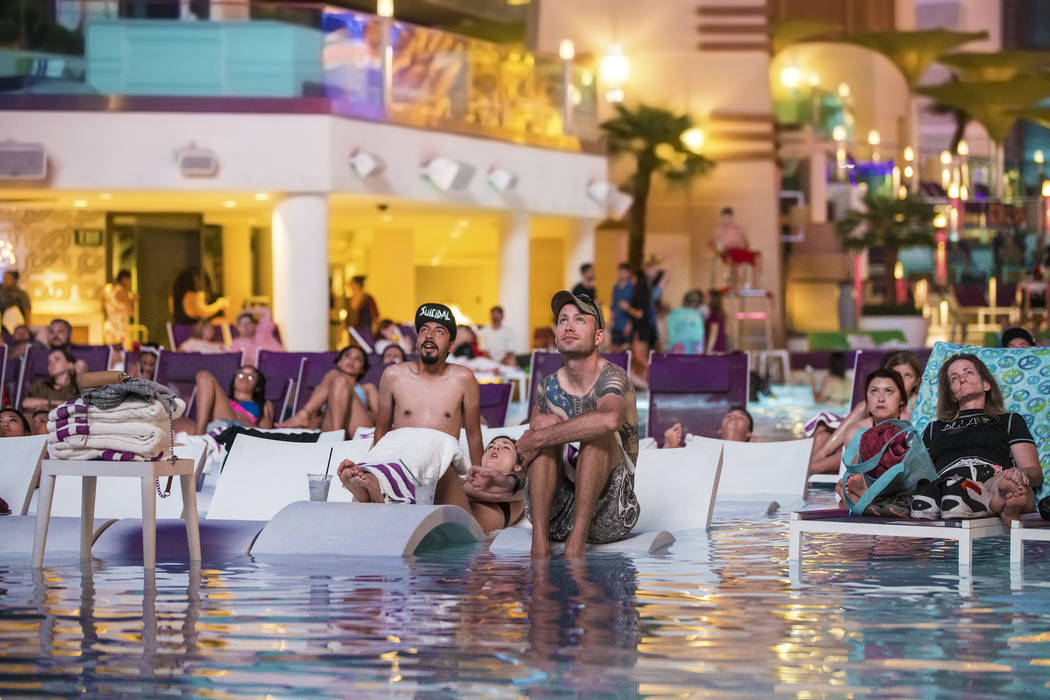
column 89, row 471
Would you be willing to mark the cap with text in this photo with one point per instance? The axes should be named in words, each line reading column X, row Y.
column 438, row 313
column 584, row 303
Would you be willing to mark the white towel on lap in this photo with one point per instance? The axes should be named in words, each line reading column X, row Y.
column 407, row 456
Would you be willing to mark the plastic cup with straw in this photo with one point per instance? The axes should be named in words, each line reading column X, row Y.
column 320, row 483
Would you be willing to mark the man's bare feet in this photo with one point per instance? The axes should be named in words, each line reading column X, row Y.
column 301, row 419
column 362, row 484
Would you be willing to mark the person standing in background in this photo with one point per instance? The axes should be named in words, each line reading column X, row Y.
column 362, row 312
column 15, row 298
column 497, row 340
column 118, row 306
column 622, row 293
column 685, row 325
column 188, row 300
column 586, row 283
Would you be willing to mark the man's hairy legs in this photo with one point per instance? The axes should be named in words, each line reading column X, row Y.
column 594, row 466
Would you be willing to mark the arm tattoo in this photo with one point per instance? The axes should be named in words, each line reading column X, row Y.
column 612, row 380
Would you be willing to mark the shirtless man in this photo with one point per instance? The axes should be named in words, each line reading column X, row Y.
column 732, row 244
column 590, row 401
column 427, row 393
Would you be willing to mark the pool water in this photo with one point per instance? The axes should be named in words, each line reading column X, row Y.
column 721, row 613
column 716, row 615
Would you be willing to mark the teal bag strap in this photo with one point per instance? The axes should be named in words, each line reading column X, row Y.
column 874, row 489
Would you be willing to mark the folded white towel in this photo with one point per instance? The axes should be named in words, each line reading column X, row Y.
column 130, row 410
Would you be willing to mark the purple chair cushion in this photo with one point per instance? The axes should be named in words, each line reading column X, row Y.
column 870, row 360
column 695, row 390
column 495, row 399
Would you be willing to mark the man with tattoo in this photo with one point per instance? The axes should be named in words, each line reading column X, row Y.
column 587, row 497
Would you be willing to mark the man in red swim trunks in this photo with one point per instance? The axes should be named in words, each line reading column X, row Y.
column 731, row 242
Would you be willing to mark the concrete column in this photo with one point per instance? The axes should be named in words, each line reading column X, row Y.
column 579, row 249
column 818, row 185
column 514, row 277
column 300, row 271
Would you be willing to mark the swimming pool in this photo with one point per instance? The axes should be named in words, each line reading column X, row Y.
column 716, row 615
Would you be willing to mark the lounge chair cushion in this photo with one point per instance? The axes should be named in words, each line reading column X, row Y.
column 1024, row 379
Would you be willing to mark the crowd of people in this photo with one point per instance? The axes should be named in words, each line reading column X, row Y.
column 573, row 467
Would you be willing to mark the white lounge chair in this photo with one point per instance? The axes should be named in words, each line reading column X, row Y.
column 380, row 529
column 20, row 470
column 753, row 470
column 1030, row 528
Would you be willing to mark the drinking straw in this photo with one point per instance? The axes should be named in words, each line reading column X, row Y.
column 329, row 466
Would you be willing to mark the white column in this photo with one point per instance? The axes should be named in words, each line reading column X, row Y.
column 300, row 271
column 818, row 185
column 579, row 250
column 514, row 277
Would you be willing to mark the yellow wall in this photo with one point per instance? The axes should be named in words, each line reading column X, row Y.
column 470, row 287
column 390, row 273
column 61, row 278
column 546, row 276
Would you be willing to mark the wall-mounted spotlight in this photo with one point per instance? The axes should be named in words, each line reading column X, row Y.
column 447, row 174
column 615, row 202
column 501, row 180
column 197, row 162
column 366, row 164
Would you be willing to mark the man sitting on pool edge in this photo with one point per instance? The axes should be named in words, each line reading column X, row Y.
column 590, row 401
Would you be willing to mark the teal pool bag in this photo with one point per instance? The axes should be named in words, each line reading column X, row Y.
column 901, row 477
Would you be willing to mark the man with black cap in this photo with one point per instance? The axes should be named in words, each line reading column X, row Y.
column 589, row 499
column 430, row 393
column 1017, row 338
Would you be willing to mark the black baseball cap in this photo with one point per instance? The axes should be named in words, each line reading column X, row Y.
column 1014, row 333
column 583, row 302
column 438, row 313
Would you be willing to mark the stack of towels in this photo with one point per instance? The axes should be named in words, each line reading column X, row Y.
column 135, row 430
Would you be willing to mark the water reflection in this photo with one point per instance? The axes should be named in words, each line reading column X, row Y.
column 716, row 615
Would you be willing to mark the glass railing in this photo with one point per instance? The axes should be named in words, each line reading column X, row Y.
column 233, row 48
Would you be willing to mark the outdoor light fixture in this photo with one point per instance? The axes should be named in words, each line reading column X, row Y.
column 22, row 161
column 614, row 71
column 963, row 148
column 1046, row 188
column 908, row 171
column 693, row 139
column 366, row 164
column 566, row 50
column 814, row 80
column 843, row 90
column 909, row 154
column 874, row 139
column 839, row 132
column 791, row 77
column 447, row 174
column 1038, row 156
column 197, row 162
column 946, row 158
column 385, row 8
column 501, row 180
column 616, row 202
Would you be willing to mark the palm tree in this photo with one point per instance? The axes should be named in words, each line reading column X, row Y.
column 653, row 136
column 890, row 222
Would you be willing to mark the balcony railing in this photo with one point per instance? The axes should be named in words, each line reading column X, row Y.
column 366, row 66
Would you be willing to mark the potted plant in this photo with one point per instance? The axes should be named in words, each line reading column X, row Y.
column 906, row 318
column 891, row 223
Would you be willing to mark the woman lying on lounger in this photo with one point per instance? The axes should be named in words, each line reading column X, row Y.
column 885, row 396
column 340, row 401
column 244, row 403
column 501, row 456
column 828, row 440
